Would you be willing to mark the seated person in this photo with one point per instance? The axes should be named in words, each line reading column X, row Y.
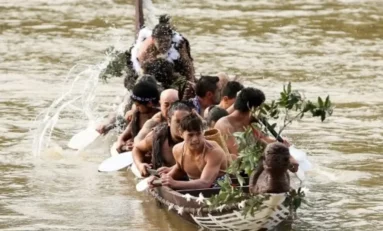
column 161, row 140
column 241, row 119
column 201, row 160
column 167, row 97
column 274, row 177
column 145, row 96
column 214, row 113
column 229, row 94
column 207, row 93
column 125, row 109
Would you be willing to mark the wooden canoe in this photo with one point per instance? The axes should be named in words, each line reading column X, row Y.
column 187, row 204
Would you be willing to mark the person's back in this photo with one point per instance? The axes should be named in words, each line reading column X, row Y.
column 238, row 121
column 214, row 113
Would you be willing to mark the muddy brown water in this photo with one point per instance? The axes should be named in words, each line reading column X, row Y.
column 322, row 47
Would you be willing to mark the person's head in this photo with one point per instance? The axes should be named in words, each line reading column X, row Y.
column 248, row 99
column 191, row 127
column 161, row 70
column 277, row 157
column 167, row 97
column 177, row 111
column 162, row 34
column 207, row 89
column 229, row 93
column 214, row 114
column 223, row 80
column 145, row 95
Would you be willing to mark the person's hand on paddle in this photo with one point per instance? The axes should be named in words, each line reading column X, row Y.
column 286, row 142
column 101, row 129
column 167, row 180
column 129, row 145
column 119, row 145
column 142, row 168
column 128, row 115
column 153, row 182
column 163, row 170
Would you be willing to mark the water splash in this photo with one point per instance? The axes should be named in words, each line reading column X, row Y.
column 80, row 96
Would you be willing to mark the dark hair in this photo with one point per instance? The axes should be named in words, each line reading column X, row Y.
column 161, row 70
column 215, row 113
column 180, row 106
column 163, row 28
column 277, row 156
column 206, row 84
column 231, row 89
column 191, row 123
column 145, row 91
column 249, row 98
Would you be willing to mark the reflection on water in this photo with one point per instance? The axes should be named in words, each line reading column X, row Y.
column 323, row 47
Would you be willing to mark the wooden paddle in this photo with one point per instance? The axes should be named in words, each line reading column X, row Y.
column 117, row 162
column 84, row 138
column 143, row 185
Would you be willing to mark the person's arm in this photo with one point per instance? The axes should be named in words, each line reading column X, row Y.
column 126, row 135
column 146, row 128
column 209, row 173
column 227, row 135
column 139, row 151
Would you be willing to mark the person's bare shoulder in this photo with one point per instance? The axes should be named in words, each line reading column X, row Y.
column 216, row 153
column 149, row 138
column 223, row 125
column 177, row 150
column 157, row 117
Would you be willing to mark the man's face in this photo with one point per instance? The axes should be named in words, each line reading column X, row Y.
column 193, row 139
column 163, row 43
column 165, row 105
column 175, row 120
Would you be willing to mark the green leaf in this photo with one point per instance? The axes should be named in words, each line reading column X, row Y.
column 289, row 87
column 327, row 102
column 323, row 116
column 241, row 180
column 320, row 102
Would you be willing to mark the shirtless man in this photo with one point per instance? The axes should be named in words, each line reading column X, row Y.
column 167, row 97
column 145, row 97
column 238, row 121
column 124, row 112
column 213, row 114
column 161, row 140
column 201, row 160
column 229, row 94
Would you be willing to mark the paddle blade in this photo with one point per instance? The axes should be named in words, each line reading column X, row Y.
column 116, row 163
column 143, row 185
column 83, row 139
column 301, row 157
column 113, row 149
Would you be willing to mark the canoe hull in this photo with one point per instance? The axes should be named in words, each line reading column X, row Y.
column 271, row 213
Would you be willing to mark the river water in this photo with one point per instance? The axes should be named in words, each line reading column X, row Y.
column 322, row 47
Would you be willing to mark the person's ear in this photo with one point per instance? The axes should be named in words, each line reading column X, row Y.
column 225, row 98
